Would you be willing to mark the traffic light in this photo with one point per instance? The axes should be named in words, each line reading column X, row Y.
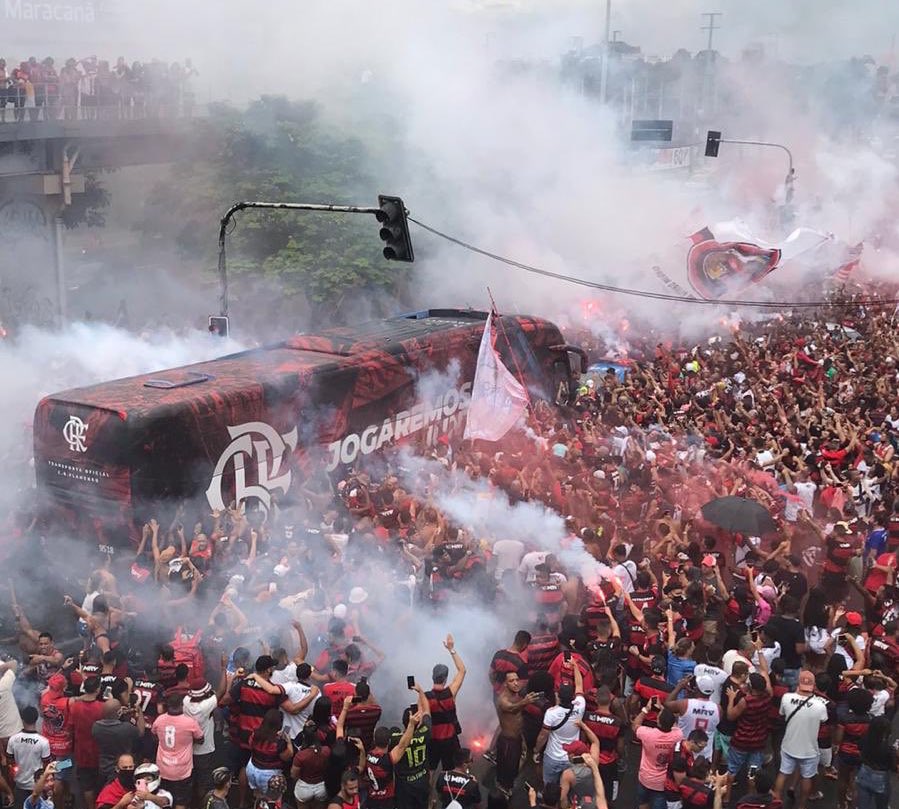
column 394, row 229
column 712, row 142
column 218, row 326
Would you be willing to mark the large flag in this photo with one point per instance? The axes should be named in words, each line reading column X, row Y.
column 730, row 259
column 853, row 259
column 498, row 399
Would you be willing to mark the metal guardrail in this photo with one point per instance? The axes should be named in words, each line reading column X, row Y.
column 12, row 115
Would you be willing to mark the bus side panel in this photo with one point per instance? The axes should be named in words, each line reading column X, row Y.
column 413, row 392
column 199, row 450
column 81, row 470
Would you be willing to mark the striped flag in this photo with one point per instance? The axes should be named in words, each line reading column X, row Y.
column 853, row 259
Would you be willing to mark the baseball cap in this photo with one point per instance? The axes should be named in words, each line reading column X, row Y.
column 705, row 684
column 853, row 619
column 576, row 748
column 708, row 560
column 806, row 681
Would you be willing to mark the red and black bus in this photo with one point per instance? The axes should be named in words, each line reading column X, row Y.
column 252, row 425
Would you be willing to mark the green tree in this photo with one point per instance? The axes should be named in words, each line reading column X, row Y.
column 277, row 150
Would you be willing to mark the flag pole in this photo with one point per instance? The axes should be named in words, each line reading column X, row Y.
column 494, row 311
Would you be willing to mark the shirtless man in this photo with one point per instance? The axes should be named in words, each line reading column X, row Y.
column 509, row 705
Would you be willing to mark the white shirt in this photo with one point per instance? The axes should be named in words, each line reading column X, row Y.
column 202, row 712
column 768, row 652
column 29, row 751
column 881, row 698
column 838, row 648
column 10, row 721
column 801, row 736
column 764, row 458
column 293, row 723
column 718, row 677
column 286, row 675
column 703, row 714
column 529, row 563
column 626, row 572
column 508, row 553
column 565, row 734
column 806, row 493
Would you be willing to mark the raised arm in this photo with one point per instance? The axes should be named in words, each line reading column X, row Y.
column 456, row 684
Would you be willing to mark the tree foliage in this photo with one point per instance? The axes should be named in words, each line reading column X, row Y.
column 277, row 150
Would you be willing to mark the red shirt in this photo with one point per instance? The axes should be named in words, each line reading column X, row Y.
column 111, row 794
column 57, row 726
column 337, row 693
column 84, row 714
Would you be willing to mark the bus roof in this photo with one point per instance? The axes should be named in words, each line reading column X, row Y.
column 281, row 362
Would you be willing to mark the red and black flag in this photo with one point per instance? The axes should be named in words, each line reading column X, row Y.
column 716, row 269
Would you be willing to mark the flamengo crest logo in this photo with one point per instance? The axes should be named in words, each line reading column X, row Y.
column 254, row 443
column 74, row 433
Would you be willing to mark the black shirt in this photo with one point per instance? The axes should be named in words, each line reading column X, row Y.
column 788, row 632
column 457, row 786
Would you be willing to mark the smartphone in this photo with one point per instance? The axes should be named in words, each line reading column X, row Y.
column 410, row 682
column 356, row 700
column 753, row 771
column 577, row 760
column 357, row 638
column 567, row 656
column 63, row 764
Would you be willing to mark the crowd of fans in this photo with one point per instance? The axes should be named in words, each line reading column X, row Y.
column 91, row 89
column 750, row 670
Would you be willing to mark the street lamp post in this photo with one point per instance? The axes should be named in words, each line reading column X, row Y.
column 604, row 75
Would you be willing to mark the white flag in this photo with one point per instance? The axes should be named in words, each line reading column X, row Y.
column 497, row 398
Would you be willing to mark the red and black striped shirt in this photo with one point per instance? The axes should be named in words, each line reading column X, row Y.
column 444, row 721
column 505, row 661
column 361, row 720
column 753, row 725
column 542, row 650
column 266, row 753
column 249, row 704
column 646, row 688
column 854, row 729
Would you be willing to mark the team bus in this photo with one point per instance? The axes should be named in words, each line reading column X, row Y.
column 250, row 426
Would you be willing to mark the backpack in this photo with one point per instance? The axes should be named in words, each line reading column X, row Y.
column 187, row 651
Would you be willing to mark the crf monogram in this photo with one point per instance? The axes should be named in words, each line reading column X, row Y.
column 270, row 451
column 74, row 433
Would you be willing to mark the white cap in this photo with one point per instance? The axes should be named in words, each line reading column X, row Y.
column 340, row 611
column 705, row 684
column 358, row 595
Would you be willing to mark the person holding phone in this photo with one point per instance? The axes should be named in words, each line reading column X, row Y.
column 413, row 787
column 41, row 796
column 561, row 725
column 658, row 750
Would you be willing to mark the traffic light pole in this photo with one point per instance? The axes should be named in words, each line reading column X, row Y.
column 765, row 143
column 284, row 206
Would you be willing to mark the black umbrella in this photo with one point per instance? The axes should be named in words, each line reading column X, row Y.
column 739, row 514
